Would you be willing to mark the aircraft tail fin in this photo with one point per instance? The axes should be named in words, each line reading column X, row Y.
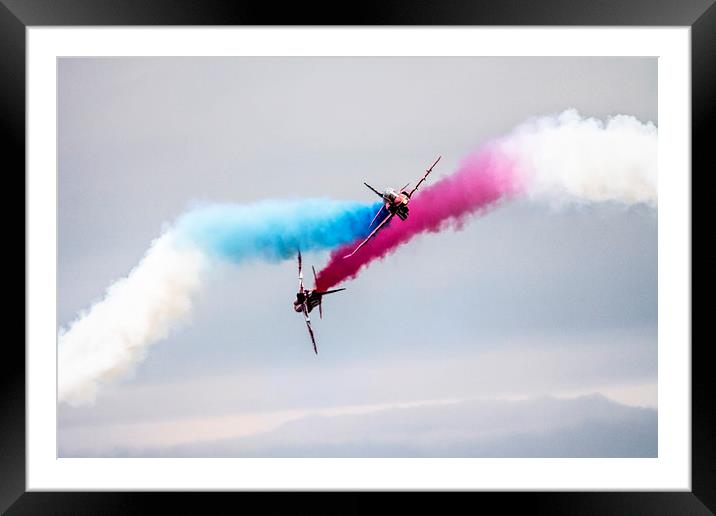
column 325, row 292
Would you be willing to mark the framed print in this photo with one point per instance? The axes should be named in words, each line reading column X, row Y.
column 437, row 250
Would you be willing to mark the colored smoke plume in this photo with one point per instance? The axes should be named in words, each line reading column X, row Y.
column 562, row 158
column 482, row 180
column 106, row 341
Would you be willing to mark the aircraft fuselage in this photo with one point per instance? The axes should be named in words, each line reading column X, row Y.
column 309, row 297
column 396, row 203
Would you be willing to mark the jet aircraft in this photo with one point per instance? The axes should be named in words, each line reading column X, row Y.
column 394, row 203
column 308, row 299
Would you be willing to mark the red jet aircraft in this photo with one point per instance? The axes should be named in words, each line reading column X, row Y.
column 307, row 300
column 394, row 203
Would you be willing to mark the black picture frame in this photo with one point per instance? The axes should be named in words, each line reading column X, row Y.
column 699, row 15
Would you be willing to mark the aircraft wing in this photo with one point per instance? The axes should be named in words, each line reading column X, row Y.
column 424, row 177
column 372, row 234
column 300, row 273
column 376, row 215
column 310, row 329
column 313, row 338
column 376, row 191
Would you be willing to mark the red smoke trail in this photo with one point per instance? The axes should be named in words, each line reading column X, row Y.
column 481, row 180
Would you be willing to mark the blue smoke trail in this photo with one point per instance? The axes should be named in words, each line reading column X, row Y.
column 273, row 230
column 141, row 308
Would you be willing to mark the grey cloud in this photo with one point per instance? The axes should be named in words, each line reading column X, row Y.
column 588, row 426
column 511, row 366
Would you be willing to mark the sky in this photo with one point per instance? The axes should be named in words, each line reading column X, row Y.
column 530, row 332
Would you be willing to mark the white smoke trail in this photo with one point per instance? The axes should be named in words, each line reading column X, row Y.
column 113, row 335
column 567, row 157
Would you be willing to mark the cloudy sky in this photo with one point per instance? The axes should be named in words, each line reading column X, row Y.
column 531, row 332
